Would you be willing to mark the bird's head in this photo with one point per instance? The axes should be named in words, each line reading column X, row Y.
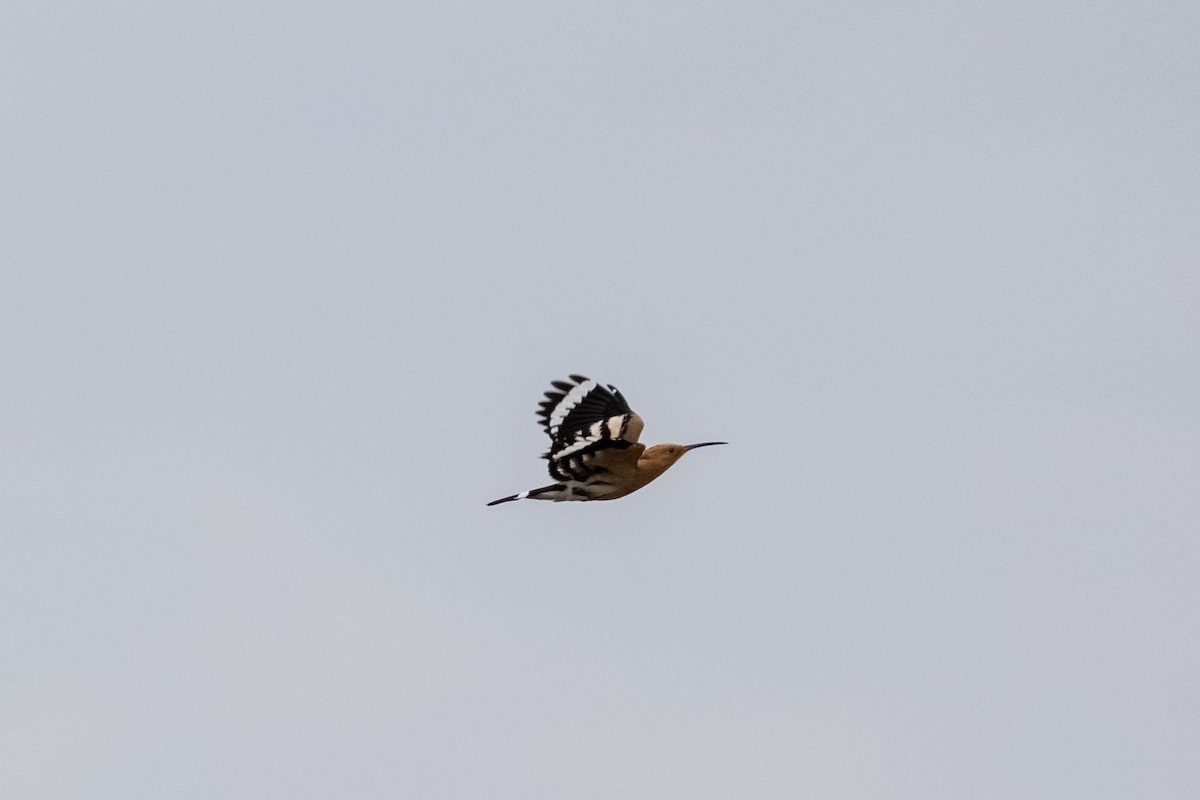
column 662, row 456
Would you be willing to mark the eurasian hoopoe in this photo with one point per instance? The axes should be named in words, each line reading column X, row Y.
column 594, row 450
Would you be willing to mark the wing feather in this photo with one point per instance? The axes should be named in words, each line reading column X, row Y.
column 588, row 424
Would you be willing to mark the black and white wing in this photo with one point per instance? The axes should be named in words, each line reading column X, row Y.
column 585, row 422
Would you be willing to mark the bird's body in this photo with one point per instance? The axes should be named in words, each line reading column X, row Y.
column 594, row 449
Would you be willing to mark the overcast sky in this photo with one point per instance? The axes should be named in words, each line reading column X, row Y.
column 282, row 285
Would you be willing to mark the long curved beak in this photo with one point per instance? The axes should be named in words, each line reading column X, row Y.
column 702, row 444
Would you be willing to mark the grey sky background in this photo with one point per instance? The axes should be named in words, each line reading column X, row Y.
column 284, row 282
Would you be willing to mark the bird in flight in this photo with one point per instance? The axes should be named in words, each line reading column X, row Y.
column 594, row 449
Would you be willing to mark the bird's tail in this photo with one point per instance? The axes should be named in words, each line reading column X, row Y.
column 552, row 492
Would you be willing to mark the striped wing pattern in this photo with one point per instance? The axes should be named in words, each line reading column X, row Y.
column 591, row 430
